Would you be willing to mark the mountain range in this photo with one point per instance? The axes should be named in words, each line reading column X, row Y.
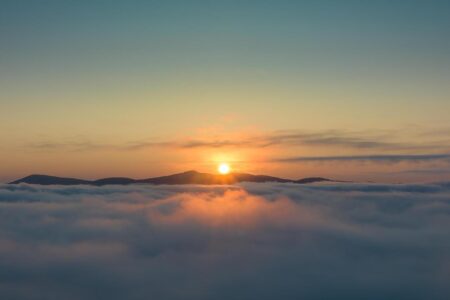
column 189, row 177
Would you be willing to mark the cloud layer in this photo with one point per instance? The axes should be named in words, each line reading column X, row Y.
column 393, row 158
column 252, row 241
column 416, row 140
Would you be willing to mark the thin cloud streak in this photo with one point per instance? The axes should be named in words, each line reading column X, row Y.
column 390, row 158
column 332, row 138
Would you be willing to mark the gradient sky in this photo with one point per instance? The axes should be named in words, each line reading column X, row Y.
column 344, row 89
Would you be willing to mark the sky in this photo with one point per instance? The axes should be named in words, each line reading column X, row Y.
column 352, row 90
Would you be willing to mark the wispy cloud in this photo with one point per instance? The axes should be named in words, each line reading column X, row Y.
column 356, row 140
column 359, row 140
column 391, row 158
column 76, row 146
column 427, row 171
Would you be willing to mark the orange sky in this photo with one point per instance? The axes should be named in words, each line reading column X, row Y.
column 378, row 155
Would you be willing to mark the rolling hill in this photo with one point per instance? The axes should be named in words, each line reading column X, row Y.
column 189, row 177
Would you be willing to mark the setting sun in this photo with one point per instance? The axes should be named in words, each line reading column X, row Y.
column 224, row 168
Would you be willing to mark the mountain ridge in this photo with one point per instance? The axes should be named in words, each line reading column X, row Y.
column 188, row 177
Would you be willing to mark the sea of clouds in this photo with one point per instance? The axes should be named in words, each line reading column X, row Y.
column 249, row 241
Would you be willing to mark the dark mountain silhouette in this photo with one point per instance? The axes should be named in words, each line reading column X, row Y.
column 47, row 180
column 189, row 177
column 314, row 179
column 113, row 180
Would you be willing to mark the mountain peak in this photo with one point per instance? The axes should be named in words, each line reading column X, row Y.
column 190, row 172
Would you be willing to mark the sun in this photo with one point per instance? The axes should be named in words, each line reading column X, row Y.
column 224, row 168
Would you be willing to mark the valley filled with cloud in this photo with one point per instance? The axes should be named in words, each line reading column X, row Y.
column 247, row 241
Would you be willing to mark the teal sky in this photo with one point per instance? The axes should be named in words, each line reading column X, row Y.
column 114, row 73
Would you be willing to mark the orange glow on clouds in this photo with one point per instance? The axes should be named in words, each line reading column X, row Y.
column 231, row 208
